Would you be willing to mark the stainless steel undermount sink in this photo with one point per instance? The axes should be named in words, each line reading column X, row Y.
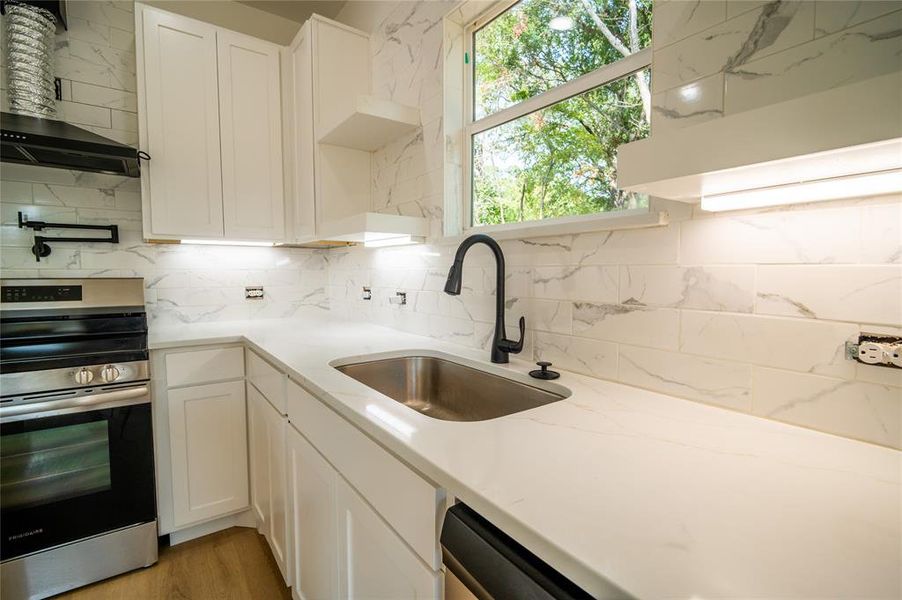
column 443, row 389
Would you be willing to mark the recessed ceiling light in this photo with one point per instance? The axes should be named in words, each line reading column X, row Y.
column 561, row 23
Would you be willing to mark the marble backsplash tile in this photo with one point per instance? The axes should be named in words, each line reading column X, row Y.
column 699, row 309
column 689, row 104
column 183, row 284
column 854, row 409
column 867, row 50
column 728, row 46
column 675, row 20
column 726, row 288
column 835, row 15
column 708, row 380
column 690, row 309
column 855, row 293
column 676, row 309
column 709, row 63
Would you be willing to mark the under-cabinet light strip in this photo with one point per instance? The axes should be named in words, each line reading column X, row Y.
column 226, row 243
column 835, row 188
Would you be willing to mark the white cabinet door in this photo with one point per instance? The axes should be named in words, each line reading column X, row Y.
column 341, row 73
column 258, row 445
column 208, row 446
column 373, row 562
column 266, row 428
column 277, row 532
column 303, row 211
column 251, row 128
column 179, row 92
column 311, row 486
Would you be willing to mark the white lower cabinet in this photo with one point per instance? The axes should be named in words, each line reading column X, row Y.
column 266, row 427
column 344, row 517
column 314, row 564
column 278, row 532
column 258, row 450
column 342, row 547
column 208, row 451
column 373, row 562
column 348, row 542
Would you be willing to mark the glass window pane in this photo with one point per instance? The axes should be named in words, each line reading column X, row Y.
column 539, row 44
column 48, row 465
column 559, row 161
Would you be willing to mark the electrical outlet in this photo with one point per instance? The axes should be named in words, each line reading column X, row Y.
column 879, row 350
column 870, row 353
column 895, row 355
column 254, row 292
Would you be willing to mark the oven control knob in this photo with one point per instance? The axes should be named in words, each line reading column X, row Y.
column 109, row 373
column 84, row 376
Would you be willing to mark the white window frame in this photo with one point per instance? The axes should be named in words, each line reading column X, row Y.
column 621, row 219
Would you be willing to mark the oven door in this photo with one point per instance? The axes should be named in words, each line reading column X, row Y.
column 73, row 467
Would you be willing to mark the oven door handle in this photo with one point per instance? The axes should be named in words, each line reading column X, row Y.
column 125, row 397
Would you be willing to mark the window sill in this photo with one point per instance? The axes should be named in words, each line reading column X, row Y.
column 628, row 219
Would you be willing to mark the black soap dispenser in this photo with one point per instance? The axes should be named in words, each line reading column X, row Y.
column 543, row 372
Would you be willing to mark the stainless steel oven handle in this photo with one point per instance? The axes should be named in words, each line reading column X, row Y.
column 91, row 402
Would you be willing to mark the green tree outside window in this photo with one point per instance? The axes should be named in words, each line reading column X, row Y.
column 560, row 160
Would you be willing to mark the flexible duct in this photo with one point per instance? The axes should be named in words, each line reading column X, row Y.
column 29, row 36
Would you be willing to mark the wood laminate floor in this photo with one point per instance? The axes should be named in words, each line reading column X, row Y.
column 234, row 564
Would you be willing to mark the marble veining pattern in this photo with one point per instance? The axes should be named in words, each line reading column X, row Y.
column 686, row 309
column 621, row 305
column 797, row 501
column 183, row 283
column 708, row 64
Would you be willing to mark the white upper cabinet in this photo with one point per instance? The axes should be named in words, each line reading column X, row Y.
column 210, row 118
column 341, row 71
column 330, row 68
column 335, row 125
column 250, row 117
column 299, row 113
column 179, row 100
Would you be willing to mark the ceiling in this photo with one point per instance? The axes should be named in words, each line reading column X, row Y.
column 297, row 10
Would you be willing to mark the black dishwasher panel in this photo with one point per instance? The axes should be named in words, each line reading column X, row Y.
column 494, row 566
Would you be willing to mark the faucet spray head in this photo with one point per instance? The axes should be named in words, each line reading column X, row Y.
column 453, row 284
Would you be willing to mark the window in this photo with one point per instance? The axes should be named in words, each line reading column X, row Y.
column 554, row 87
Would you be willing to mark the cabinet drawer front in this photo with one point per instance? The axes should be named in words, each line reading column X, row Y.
column 204, row 366
column 407, row 501
column 267, row 379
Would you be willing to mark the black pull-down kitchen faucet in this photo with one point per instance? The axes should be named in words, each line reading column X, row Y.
column 501, row 346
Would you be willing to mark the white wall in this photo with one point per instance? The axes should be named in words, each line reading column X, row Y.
column 96, row 60
column 749, row 311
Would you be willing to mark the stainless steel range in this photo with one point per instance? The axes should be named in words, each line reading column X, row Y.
column 77, row 498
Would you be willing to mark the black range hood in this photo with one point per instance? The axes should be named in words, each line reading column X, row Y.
column 44, row 142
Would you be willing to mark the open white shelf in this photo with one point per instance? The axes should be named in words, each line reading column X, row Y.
column 373, row 124
column 847, row 130
column 370, row 226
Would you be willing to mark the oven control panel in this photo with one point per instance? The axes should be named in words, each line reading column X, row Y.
column 41, row 293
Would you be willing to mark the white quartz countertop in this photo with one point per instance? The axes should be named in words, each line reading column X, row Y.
column 662, row 497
